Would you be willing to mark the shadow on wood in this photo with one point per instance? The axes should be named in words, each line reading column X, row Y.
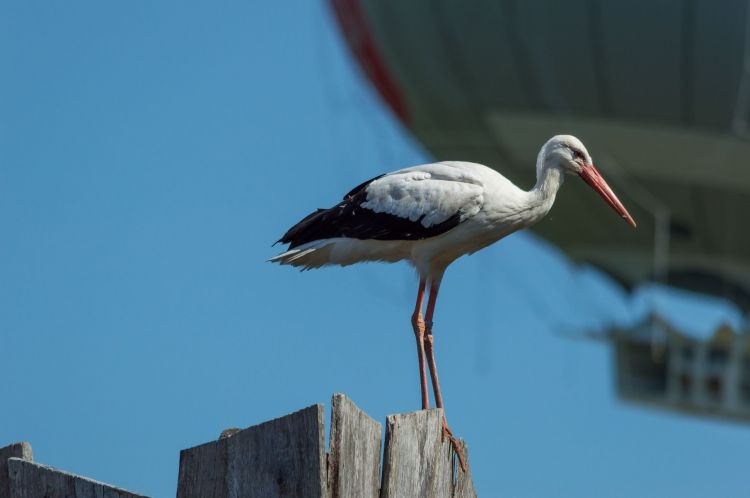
column 286, row 457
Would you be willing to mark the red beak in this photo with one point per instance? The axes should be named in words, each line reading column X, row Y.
column 591, row 176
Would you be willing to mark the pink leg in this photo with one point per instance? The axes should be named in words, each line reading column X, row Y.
column 418, row 325
column 434, row 287
column 429, row 351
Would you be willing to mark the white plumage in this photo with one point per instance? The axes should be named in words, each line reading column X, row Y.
column 486, row 204
column 431, row 193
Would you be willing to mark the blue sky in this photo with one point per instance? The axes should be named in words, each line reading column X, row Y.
column 150, row 153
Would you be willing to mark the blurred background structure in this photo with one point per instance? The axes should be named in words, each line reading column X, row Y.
column 661, row 93
column 151, row 152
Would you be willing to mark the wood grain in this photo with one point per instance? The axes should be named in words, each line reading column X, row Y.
column 32, row 480
column 464, row 485
column 280, row 458
column 417, row 461
column 16, row 450
column 203, row 471
column 354, row 461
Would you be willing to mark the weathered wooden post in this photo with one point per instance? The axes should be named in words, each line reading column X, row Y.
column 286, row 457
column 17, row 450
column 354, row 459
column 418, row 460
column 282, row 457
column 20, row 477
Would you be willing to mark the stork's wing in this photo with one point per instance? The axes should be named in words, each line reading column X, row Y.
column 409, row 204
column 428, row 195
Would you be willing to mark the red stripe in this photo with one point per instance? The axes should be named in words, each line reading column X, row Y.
column 357, row 34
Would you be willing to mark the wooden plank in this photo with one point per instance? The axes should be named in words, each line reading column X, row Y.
column 32, row 480
column 464, row 486
column 354, row 460
column 203, row 471
column 16, row 450
column 280, row 458
column 417, row 461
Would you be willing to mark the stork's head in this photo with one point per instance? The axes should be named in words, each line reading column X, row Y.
column 569, row 154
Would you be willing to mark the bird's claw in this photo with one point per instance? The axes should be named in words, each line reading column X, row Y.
column 454, row 443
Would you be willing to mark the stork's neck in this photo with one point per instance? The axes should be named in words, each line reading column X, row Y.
column 548, row 182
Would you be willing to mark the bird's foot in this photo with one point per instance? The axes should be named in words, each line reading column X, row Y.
column 454, row 443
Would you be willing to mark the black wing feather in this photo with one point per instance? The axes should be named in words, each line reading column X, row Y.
column 349, row 219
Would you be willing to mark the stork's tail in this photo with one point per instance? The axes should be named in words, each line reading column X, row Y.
column 311, row 255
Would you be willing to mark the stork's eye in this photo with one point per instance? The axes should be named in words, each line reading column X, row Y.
column 577, row 154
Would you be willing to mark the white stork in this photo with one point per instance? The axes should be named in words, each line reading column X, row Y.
column 430, row 215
